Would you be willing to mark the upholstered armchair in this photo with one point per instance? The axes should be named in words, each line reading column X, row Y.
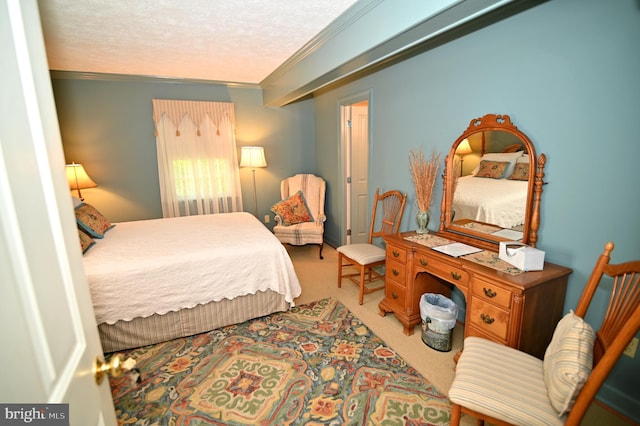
column 300, row 215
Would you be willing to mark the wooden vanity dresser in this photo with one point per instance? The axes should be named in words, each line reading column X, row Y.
column 520, row 311
column 482, row 210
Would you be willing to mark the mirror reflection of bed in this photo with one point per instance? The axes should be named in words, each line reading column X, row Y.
column 492, row 191
column 490, row 196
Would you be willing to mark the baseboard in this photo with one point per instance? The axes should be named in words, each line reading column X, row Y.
column 619, row 403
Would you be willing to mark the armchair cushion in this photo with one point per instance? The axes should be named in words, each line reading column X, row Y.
column 293, row 210
column 568, row 361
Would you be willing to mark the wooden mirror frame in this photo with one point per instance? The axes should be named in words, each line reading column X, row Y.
column 493, row 122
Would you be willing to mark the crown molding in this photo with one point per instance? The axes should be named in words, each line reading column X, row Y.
column 318, row 67
column 78, row 75
column 346, row 20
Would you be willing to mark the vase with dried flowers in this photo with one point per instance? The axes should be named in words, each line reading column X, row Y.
column 424, row 173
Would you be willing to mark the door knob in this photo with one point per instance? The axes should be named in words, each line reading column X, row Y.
column 115, row 367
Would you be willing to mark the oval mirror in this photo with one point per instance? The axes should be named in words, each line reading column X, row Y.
column 492, row 185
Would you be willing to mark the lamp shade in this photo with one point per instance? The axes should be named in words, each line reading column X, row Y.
column 464, row 148
column 78, row 177
column 252, row 156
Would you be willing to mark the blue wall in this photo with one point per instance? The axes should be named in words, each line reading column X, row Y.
column 568, row 74
column 107, row 125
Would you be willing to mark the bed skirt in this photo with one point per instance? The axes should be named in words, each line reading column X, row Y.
column 186, row 322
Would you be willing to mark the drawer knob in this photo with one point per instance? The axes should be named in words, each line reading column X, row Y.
column 489, row 293
column 423, row 262
column 393, row 295
column 395, row 253
column 487, row 319
column 395, row 272
column 456, row 276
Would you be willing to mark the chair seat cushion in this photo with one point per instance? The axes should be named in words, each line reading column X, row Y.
column 503, row 383
column 300, row 233
column 364, row 254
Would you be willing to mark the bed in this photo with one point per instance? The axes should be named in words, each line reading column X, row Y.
column 500, row 202
column 156, row 280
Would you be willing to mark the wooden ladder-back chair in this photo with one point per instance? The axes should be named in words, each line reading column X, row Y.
column 502, row 385
column 366, row 256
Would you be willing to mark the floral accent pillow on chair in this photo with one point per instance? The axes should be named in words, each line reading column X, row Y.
column 293, row 210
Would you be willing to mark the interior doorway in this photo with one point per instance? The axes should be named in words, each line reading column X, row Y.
column 355, row 125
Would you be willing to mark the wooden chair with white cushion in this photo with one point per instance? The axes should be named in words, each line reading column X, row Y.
column 300, row 215
column 366, row 256
column 502, row 385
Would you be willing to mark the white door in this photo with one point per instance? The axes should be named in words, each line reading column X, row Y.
column 360, row 215
column 355, row 165
column 47, row 324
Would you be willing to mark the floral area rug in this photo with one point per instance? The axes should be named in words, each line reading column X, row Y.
column 316, row 364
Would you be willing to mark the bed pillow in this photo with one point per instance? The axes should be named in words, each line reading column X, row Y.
column 86, row 242
column 293, row 210
column 492, row 169
column 568, row 361
column 92, row 221
column 510, row 157
column 520, row 172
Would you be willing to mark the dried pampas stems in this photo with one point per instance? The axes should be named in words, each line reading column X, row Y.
column 424, row 174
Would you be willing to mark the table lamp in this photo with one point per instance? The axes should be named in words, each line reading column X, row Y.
column 78, row 178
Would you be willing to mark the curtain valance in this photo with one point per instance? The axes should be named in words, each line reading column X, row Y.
column 176, row 110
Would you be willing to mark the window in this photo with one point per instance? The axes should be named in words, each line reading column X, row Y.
column 197, row 158
column 193, row 178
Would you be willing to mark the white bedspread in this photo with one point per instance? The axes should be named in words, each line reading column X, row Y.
column 501, row 202
column 155, row 266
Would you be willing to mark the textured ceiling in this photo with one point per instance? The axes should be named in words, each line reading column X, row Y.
column 239, row 41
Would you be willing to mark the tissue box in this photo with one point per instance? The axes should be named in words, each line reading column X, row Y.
column 521, row 256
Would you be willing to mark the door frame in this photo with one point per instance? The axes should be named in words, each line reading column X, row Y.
column 344, row 155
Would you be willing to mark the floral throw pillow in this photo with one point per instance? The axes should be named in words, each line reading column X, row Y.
column 293, row 210
column 521, row 172
column 492, row 169
column 86, row 242
column 92, row 221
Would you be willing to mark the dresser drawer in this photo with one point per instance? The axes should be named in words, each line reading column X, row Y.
column 395, row 294
column 395, row 253
column 440, row 269
column 473, row 331
column 395, row 271
column 491, row 293
column 489, row 318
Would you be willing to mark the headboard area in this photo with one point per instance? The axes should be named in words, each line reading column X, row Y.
column 499, row 141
